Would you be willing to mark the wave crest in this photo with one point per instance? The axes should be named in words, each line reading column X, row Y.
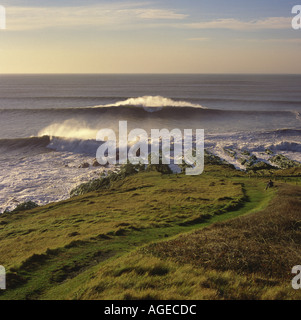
column 69, row 129
column 153, row 103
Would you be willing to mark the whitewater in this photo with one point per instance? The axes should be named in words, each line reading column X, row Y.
column 48, row 124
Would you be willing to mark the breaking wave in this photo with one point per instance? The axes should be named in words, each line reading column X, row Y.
column 69, row 129
column 153, row 103
column 71, row 137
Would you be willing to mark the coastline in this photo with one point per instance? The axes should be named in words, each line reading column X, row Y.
column 93, row 174
column 94, row 232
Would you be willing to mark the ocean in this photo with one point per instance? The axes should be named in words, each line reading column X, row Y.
column 48, row 123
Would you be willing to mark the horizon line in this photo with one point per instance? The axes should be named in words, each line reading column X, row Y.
column 145, row 73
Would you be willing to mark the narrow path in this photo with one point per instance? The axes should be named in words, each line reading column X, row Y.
column 67, row 267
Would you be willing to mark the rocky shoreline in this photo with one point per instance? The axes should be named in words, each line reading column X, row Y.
column 251, row 164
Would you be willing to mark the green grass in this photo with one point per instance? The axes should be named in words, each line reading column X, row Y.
column 62, row 250
column 246, row 258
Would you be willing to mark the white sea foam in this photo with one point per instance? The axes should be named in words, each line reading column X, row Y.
column 153, row 103
column 286, row 143
column 43, row 178
column 50, row 176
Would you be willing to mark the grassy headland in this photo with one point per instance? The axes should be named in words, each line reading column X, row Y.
column 219, row 235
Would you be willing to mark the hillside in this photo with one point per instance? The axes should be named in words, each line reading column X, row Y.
column 115, row 242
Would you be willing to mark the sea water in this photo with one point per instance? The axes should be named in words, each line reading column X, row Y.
column 48, row 123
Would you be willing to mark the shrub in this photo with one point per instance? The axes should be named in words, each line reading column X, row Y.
column 105, row 182
column 25, row 206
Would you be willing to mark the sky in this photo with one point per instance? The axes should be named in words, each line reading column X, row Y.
column 166, row 36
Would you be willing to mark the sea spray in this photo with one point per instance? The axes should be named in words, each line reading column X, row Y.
column 71, row 128
column 153, row 103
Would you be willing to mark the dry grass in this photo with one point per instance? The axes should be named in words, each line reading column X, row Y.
column 143, row 201
column 248, row 257
column 139, row 276
column 86, row 247
column 266, row 243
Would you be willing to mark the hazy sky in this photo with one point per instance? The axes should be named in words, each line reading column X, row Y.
column 166, row 36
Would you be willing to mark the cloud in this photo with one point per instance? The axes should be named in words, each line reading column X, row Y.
column 279, row 40
column 127, row 15
column 28, row 18
column 198, row 39
column 234, row 24
column 154, row 14
column 292, row 40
